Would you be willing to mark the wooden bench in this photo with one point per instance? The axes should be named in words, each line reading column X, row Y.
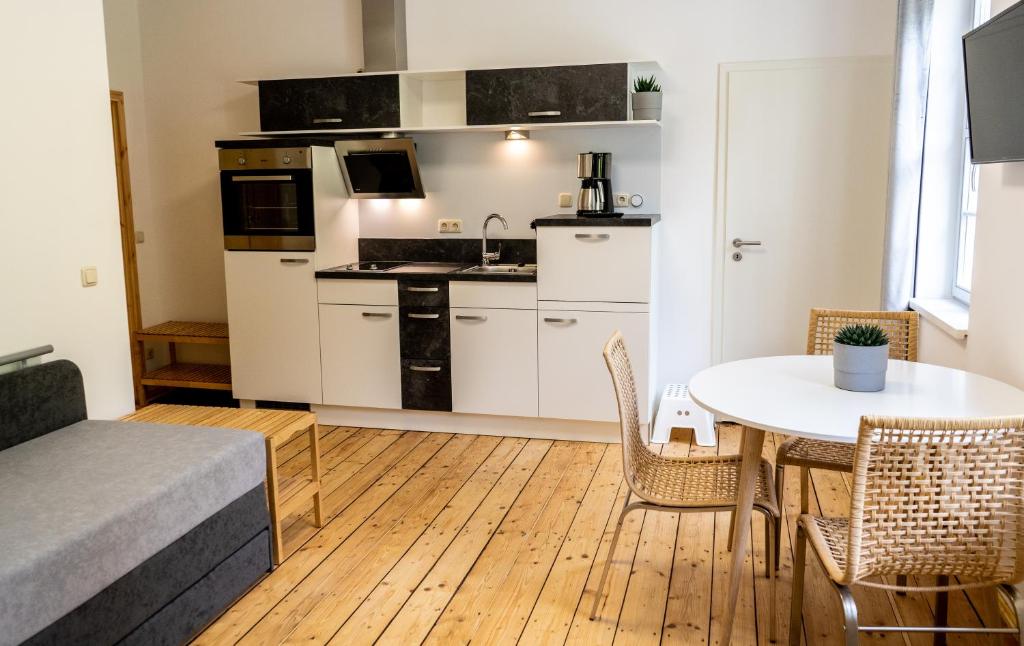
column 278, row 427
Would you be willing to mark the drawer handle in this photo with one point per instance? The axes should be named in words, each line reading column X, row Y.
column 593, row 236
column 429, row 290
column 545, row 113
column 376, row 315
column 467, row 317
column 328, row 120
column 566, row 321
column 425, row 368
column 294, row 261
column 423, row 316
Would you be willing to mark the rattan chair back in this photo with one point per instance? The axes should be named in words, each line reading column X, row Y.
column 937, row 497
column 901, row 328
column 634, row 451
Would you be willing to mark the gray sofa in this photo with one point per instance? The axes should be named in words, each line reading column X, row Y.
column 115, row 532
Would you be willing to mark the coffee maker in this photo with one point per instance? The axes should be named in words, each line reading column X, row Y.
column 595, row 172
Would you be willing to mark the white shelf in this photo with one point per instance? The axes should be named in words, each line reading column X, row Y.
column 638, row 123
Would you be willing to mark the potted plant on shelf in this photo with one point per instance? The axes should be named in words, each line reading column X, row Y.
column 860, row 358
column 646, row 98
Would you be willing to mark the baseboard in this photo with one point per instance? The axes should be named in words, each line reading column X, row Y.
column 443, row 422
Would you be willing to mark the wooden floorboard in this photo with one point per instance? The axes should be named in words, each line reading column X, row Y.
column 452, row 539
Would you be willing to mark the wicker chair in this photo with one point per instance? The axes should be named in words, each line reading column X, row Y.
column 676, row 484
column 902, row 328
column 933, row 498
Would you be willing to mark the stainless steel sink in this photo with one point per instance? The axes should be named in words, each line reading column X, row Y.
column 501, row 269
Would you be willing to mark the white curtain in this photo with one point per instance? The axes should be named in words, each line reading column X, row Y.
column 910, row 98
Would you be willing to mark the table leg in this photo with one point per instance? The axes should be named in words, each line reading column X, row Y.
column 314, row 450
column 273, row 500
column 753, row 441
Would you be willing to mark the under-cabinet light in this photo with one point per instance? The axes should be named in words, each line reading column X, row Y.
column 516, row 135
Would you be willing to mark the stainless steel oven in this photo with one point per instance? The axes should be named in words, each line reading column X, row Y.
column 267, row 199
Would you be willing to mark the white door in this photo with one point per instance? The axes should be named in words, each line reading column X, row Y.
column 803, row 163
column 360, row 357
column 272, row 322
column 574, row 380
column 494, row 361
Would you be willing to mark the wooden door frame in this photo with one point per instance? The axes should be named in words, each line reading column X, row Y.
column 128, row 253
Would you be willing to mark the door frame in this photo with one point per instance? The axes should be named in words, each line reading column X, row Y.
column 128, row 252
column 721, row 163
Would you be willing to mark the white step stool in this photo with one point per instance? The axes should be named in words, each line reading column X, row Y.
column 677, row 410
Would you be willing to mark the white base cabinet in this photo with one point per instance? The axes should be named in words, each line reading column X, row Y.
column 272, row 318
column 574, row 381
column 494, row 361
column 360, row 356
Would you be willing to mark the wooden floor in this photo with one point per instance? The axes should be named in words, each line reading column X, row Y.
column 447, row 539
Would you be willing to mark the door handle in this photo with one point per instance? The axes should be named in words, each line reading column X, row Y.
column 294, row 261
column 593, row 236
column 421, row 289
column 556, row 320
column 740, row 242
column 467, row 317
column 423, row 316
column 376, row 315
column 425, row 368
column 545, row 113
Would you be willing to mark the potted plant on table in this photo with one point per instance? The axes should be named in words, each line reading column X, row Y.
column 860, row 358
column 646, row 98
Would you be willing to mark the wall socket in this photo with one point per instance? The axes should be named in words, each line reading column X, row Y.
column 449, row 226
column 622, row 199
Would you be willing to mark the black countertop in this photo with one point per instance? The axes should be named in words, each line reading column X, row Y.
column 275, row 142
column 573, row 220
column 341, row 273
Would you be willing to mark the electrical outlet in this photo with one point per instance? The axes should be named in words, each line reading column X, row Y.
column 150, row 354
column 449, row 225
column 564, row 200
column 622, row 199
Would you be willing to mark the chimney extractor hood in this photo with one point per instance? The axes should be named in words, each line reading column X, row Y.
column 384, row 36
column 380, row 168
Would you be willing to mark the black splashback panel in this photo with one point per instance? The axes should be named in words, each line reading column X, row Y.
column 462, row 250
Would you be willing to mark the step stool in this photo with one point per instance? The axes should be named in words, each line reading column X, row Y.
column 677, row 410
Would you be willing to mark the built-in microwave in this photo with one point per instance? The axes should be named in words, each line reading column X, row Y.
column 267, row 199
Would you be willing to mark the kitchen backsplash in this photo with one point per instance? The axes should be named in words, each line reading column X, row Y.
column 467, row 250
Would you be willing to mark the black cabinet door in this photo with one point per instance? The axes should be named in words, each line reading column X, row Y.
column 426, row 385
column 547, row 94
column 330, row 103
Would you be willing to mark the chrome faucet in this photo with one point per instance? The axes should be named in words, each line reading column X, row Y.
column 493, row 256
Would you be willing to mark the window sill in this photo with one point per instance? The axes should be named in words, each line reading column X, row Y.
column 949, row 315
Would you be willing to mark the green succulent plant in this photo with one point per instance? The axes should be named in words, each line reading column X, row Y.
column 646, row 84
column 862, row 335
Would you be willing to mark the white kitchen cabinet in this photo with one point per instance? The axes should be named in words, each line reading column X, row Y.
column 494, row 361
column 273, row 323
column 605, row 264
column 360, row 356
column 574, row 381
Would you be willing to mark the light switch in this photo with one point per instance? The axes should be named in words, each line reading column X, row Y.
column 140, row 237
column 89, row 277
column 564, row 200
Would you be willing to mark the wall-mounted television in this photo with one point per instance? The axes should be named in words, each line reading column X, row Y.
column 994, row 67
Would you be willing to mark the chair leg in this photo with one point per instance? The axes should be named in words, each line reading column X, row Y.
column 797, row 600
column 780, row 474
column 1018, row 606
column 772, row 566
column 941, row 610
column 732, row 529
column 849, row 615
column 805, row 490
column 611, row 555
column 901, row 580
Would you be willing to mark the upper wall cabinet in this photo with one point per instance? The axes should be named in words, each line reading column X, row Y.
column 342, row 102
column 569, row 93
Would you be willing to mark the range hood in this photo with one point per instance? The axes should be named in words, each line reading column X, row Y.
column 380, row 168
column 384, row 36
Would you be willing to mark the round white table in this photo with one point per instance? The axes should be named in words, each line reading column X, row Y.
column 794, row 395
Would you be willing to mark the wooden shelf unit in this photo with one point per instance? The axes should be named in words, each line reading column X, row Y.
column 185, row 375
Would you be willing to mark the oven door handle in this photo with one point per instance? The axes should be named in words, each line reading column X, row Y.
column 261, row 178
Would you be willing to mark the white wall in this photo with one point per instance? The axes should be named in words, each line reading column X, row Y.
column 59, row 209
column 689, row 38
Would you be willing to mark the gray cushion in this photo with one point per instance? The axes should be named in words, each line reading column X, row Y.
column 82, row 506
column 39, row 399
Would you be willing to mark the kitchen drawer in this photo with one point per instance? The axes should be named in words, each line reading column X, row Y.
column 330, row 103
column 345, row 291
column 547, row 94
column 494, row 361
column 611, row 264
column 515, row 296
column 433, row 293
column 574, row 380
column 424, row 332
column 426, row 385
column 359, row 356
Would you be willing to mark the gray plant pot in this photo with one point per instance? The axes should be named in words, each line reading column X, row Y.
column 860, row 369
column 647, row 105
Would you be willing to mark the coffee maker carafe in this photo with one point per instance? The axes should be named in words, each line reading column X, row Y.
column 595, row 198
